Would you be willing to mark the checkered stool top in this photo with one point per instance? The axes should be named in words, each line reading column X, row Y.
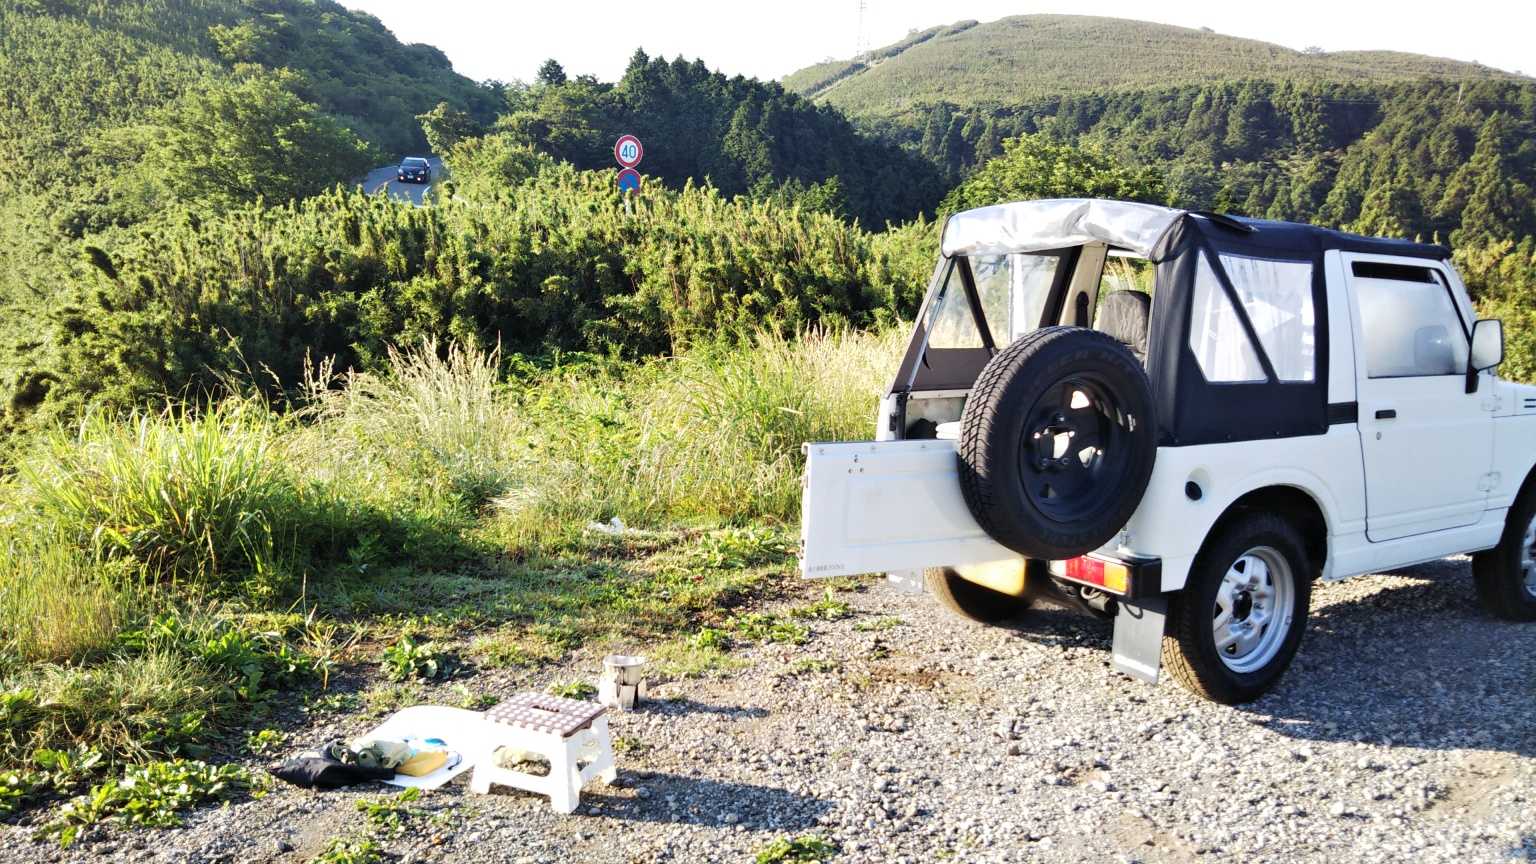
column 540, row 712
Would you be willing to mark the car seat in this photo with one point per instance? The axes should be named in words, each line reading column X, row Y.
column 1125, row 315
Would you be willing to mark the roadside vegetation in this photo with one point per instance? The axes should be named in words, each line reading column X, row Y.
column 167, row 577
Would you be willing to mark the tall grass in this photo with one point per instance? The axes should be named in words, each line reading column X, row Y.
column 55, row 604
column 713, row 435
column 186, row 496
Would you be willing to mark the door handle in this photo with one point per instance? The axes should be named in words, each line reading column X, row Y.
column 1386, row 414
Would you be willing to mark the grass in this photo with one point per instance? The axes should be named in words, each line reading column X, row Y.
column 165, row 575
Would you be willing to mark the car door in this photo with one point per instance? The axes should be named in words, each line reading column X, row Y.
column 1427, row 443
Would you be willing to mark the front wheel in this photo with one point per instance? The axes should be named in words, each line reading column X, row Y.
column 1236, row 626
column 1506, row 574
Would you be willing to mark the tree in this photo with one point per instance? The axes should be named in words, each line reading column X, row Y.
column 446, row 126
column 551, row 73
column 1034, row 167
column 232, row 142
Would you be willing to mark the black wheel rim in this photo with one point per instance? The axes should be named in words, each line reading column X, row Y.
column 1075, row 454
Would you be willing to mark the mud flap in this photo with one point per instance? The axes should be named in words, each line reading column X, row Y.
column 1138, row 646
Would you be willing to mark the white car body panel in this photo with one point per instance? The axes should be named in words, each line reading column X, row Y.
column 877, row 506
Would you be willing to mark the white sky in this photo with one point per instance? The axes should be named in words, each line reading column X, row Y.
column 508, row 40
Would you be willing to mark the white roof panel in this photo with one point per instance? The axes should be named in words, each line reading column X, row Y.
column 1057, row 223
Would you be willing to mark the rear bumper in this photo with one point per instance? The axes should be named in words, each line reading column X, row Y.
column 1128, row 578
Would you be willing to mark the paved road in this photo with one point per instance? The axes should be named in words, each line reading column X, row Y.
column 382, row 179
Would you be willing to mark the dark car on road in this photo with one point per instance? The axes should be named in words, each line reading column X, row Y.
column 414, row 169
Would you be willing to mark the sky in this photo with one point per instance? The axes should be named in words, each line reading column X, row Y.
column 495, row 39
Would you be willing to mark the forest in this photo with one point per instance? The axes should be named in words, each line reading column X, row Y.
column 258, row 426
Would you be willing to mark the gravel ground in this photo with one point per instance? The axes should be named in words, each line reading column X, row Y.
column 1405, row 731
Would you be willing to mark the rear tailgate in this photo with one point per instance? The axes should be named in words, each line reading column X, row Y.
column 878, row 506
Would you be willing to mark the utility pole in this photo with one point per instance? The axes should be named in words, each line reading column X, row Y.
column 861, row 47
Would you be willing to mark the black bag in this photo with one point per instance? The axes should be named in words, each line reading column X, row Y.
column 318, row 769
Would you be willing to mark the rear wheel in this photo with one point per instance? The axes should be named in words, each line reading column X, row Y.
column 1057, row 442
column 970, row 600
column 1506, row 574
column 1235, row 627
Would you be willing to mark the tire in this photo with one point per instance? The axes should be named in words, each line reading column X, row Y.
column 969, row 600
column 1057, row 442
column 1242, row 672
column 1505, row 575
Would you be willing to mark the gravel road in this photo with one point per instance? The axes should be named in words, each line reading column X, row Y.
column 1404, row 732
column 383, row 180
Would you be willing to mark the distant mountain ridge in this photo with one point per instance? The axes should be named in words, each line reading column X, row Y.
column 1028, row 57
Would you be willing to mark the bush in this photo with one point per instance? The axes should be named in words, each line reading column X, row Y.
column 150, row 796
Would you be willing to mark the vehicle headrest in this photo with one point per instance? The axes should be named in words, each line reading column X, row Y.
column 1125, row 315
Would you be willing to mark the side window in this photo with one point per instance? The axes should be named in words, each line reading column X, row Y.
column 1408, row 321
column 1216, row 335
column 1277, row 296
column 952, row 325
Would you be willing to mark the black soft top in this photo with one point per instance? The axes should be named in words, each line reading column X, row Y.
column 1290, row 239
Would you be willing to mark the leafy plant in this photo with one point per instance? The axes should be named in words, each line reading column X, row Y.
column 387, row 816
column 805, row 849
column 263, row 741
column 759, row 626
column 409, row 659
column 350, row 849
column 152, row 795
column 573, row 690
column 828, row 608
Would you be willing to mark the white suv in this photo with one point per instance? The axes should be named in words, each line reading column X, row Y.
column 1182, row 419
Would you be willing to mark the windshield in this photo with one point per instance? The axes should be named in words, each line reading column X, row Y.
column 415, row 163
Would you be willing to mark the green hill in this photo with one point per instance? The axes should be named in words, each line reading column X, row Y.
column 1029, row 57
column 72, row 68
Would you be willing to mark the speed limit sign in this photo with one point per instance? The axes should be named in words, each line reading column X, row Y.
column 628, row 151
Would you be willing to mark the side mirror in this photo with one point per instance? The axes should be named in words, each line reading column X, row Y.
column 1487, row 349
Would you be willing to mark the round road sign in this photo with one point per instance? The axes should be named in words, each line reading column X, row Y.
column 628, row 151
column 629, row 180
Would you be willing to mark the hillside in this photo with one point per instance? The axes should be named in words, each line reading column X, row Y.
column 1029, row 57
column 71, row 68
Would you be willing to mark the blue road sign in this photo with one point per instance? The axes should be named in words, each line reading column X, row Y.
column 629, row 180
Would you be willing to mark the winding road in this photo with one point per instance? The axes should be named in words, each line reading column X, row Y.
column 382, row 180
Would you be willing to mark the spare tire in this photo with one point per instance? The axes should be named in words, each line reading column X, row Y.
column 1057, row 442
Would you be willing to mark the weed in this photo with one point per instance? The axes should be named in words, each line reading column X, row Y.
column 474, row 701
column 390, row 698
column 350, row 849
column 263, row 741
column 814, row 665
column 152, row 795
column 826, row 609
column 409, row 659
column 387, row 816
column 805, row 849
column 739, row 548
column 573, row 690
column 875, row 625
column 688, row 658
column 758, row 626
column 333, row 703
column 709, row 638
